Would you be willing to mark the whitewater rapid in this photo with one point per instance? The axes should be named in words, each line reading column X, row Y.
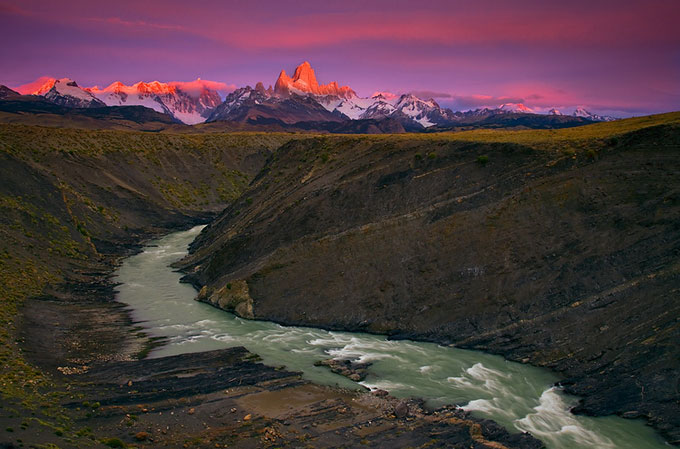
column 519, row 397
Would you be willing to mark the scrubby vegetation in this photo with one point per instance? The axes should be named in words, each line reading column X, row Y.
column 554, row 247
column 67, row 197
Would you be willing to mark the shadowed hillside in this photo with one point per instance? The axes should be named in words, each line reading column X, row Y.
column 72, row 202
column 558, row 248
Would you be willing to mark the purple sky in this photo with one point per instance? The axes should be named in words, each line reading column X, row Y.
column 617, row 57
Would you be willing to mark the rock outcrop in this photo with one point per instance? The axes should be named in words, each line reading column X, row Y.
column 304, row 81
column 232, row 297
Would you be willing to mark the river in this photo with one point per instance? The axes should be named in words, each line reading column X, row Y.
column 519, row 397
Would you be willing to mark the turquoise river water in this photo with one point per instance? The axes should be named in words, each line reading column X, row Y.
column 519, row 397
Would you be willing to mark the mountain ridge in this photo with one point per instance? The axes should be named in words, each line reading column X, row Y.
column 299, row 97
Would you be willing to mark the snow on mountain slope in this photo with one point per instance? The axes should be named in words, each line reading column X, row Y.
column 190, row 103
column 389, row 97
column 407, row 107
column 352, row 108
column 66, row 92
column 419, row 110
column 118, row 94
column 256, row 105
column 378, row 109
column 343, row 101
column 515, row 107
column 292, row 98
column 582, row 112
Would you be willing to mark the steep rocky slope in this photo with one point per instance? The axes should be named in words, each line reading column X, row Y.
column 72, row 202
column 557, row 248
column 66, row 92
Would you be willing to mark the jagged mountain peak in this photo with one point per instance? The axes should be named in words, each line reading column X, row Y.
column 195, row 101
column 304, row 82
column 304, row 73
column 66, row 92
column 155, row 87
column 515, row 107
column 189, row 102
column 582, row 112
column 39, row 87
column 413, row 99
column 6, row 92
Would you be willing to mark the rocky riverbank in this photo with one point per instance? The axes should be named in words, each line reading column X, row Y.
column 223, row 398
column 73, row 204
column 555, row 248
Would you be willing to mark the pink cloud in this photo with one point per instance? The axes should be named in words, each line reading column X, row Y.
column 431, row 94
column 195, row 87
column 117, row 21
column 30, row 88
column 482, row 22
column 554, row 25
column 622, row 54
column 477, row 101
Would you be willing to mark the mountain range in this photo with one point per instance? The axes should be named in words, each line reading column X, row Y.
column 295, row 99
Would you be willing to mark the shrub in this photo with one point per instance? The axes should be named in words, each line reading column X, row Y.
column 113, row 442
column 483, row 160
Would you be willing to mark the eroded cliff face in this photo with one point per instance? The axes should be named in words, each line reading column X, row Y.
column 557, row 252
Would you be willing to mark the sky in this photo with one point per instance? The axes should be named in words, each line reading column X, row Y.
column 614, row 57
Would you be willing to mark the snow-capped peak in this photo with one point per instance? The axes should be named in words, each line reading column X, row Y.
column 388, row 97
column 408, row 99
column 190, row 102
column 45, row 87
column 38, row 87
column 66, row 86
column 66, row 92
column 554, row 111
column 515, row 107
column 582, row 112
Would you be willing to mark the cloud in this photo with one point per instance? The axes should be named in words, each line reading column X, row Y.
column 11, row 9
column 195, row 87
column 29, row 88
column 136, row 23
column 463, row 102
column 431, row 94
